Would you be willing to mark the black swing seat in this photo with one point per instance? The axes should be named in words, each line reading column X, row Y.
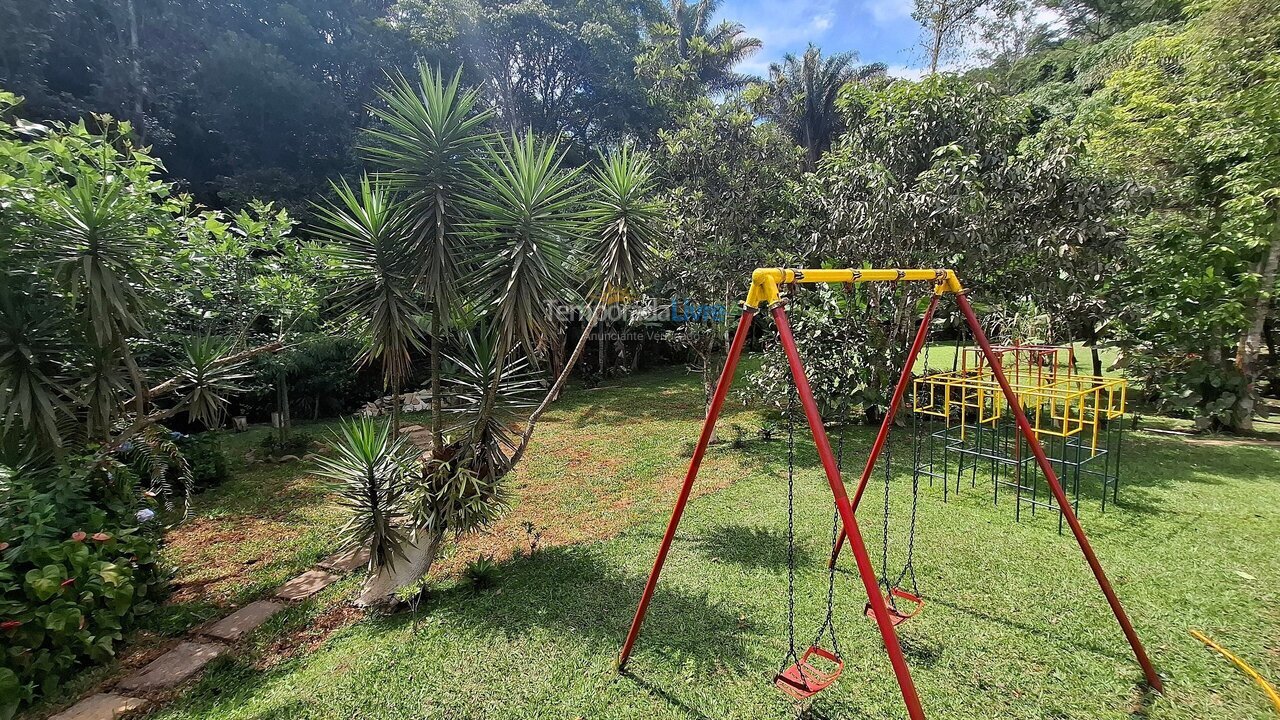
column 899, row 615
column 802, row 680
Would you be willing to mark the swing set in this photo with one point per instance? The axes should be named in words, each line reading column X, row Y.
column 889, row 602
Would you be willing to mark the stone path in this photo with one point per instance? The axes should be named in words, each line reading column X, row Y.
column 206, row 643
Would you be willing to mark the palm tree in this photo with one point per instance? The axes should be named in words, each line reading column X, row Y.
column 800, row 95
column 373, row 252
column 712, row 50
column 432, row 133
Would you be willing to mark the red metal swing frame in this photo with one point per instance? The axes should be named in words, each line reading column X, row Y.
column 765, row 292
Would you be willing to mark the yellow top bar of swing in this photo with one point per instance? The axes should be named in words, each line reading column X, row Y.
column 766, row 281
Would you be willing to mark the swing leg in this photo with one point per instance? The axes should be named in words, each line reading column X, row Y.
column 865, row 569
column 708, row 428
column 904, row 379
column 1153, row 680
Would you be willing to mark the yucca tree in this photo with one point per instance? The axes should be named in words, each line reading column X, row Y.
column 800, row 95
column 97, row 235
column 373, row 253
column 426, row 148
column 373, row 470
column 625, row 226
column 529, row 227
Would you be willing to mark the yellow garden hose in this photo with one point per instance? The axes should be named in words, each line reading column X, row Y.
column 1244, row 667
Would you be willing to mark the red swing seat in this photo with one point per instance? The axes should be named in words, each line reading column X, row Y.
column 896, row 614
column 802, row 680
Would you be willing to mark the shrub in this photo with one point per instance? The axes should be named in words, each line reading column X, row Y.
column 768, row 430
column 297, row 443
column 75, row 574
column 207, row 459
column 482, row 573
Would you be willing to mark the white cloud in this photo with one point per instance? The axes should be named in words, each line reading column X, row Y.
column 887, row 11
column 786, row 26
column 755, row 65
column 906, row 73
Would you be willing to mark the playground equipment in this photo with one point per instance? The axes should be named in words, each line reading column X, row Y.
column 963, row 425
column 765, row 293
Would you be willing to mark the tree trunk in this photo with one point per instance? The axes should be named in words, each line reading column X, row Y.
column 135, row 62
column 600, row 350
column 419, row 555
column 1097, row 360
column 282, row 404
column 935, row 51
column 554, row 392
column 437, row 405
column 437, row 328
column 1268, row 335
column 1250, row 344
column 395, row 408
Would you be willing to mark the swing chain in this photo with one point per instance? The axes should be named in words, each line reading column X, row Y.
column 791, row 534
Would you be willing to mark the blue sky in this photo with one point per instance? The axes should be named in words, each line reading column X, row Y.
column 878, row 30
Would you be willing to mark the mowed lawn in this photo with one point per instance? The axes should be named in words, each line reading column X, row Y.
column 1014, row 625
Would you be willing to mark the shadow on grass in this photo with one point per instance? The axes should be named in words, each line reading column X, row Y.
column 752, row 547
column 573, row 589
column 1039, row 631
column 658, row 693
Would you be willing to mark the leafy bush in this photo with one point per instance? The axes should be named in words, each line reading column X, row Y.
column 768, row 429
column 482, row 573
column 207, row 459
column 297, row 443
column 75, row 574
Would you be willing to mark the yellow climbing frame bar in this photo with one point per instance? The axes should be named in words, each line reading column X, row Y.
column 766, row 281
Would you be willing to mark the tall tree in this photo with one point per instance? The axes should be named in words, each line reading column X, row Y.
column 561, row 67
column 1095, row 20
column 728, row 180
column 428, row 145
column 946, row 24
column 687, row 54
column 1193, row 114
column 800, row 95
column 241, row 99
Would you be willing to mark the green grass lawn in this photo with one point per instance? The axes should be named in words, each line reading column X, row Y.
column 1014, row 626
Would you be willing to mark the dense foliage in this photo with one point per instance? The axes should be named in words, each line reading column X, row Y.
column 95, row 356
column 1195, row 113
column 451, row 188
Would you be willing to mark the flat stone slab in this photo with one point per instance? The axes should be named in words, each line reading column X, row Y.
column 305, row 585
column 345, row 562
column 239, row 623
column 103, row 706
column 174, row 666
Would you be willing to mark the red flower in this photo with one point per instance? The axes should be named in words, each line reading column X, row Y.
column 101, row 537
column 79, row 536
column 11, row 625
column 68, row 581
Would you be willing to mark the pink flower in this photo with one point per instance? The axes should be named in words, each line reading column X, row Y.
column 101, row 537
column 79, row 536
column 11, row 625
column 4, row 546
column 68, row 581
